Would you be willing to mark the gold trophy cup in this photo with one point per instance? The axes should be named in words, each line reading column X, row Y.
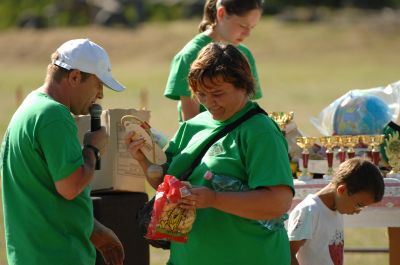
column 392, row 151
column 305, row 143
column 376, row 141
column 282, row 119
column 367, row 140
column 328, row 142
column 351, row 141
column 340, row 141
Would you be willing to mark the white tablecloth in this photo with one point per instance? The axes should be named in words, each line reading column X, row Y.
column 383, row 214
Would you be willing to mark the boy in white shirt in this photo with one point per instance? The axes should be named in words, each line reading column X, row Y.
column 315, row 226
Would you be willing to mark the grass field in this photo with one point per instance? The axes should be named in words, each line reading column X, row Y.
column 356, row 237
column 303, row 67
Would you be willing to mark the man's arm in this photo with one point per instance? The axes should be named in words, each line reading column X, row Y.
column 71, row 186
column 108, row 244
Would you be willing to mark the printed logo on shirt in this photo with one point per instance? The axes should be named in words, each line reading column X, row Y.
column 215, row 149
column 336, row 248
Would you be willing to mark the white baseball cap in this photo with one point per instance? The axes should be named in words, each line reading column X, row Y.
column 87, row 56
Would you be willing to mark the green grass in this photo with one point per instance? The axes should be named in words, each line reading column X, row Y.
column 354, row 238
column 302, row 67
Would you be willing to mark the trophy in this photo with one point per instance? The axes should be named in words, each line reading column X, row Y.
column 367, row 140
column 392, row 151
column 376, row 141
column 282, row 119
column 328, row 143
column 351, row 141
column 305, row 143
column 339, row 140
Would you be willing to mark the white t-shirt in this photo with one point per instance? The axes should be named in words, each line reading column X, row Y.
column 323, row 230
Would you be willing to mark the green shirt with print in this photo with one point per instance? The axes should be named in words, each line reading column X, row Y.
column 256, row 153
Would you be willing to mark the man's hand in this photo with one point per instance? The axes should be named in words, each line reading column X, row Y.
column 98, row 138
column 108, row 244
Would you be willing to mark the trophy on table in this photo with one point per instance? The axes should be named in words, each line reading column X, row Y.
column 351, row 141
column 282, row 119
column 392, row 151
column 367, row 140
column 376, row 141
column 328, row 142
column 305, row 143
column 339, row 140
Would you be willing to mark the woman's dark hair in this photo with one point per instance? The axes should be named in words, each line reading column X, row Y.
column 218, row 60
column 360, row 175
column 232, row 7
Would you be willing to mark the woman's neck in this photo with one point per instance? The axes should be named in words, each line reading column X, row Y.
column 213, row 34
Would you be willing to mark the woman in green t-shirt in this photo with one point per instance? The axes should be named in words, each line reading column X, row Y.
column 228, row 21
column 227, row 228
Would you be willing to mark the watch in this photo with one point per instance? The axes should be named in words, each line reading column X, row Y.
column 95, row 150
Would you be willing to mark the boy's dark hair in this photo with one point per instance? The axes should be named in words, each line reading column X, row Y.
column 218, row 60
column 232, row 7
column 360, row 175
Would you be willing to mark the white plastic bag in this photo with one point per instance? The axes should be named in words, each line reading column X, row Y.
column 360, row 111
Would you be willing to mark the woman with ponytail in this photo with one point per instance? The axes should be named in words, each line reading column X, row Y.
column 227, row 21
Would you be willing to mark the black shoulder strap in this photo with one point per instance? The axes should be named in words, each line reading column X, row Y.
column 218, row 136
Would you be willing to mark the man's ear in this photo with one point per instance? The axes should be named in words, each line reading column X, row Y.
column 341, row 189
column 74, row 77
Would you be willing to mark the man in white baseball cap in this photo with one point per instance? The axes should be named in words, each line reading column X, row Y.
column 87, row 56
column 46, row 173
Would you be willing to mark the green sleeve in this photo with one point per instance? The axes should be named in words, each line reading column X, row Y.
column 61, row 148
column 252, row 63
column 267, row 160
column 177, row 84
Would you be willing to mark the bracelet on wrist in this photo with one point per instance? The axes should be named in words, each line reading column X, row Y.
column 95, row 150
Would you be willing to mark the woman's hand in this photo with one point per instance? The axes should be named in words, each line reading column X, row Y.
column 133, row 144
column 154, row 173
column 200, row 197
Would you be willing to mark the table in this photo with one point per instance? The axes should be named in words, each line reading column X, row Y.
column 386, row 213
column 118, row 210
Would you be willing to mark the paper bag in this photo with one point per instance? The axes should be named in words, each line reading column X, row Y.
column 119, row 171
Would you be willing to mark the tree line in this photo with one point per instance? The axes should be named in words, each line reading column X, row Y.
column 128, row 13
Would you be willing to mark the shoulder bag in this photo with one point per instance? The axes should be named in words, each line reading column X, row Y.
column 144, row 214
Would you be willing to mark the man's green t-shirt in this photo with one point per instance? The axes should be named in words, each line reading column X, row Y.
column 255, row 153
column 40, row 147
column 177, row 84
